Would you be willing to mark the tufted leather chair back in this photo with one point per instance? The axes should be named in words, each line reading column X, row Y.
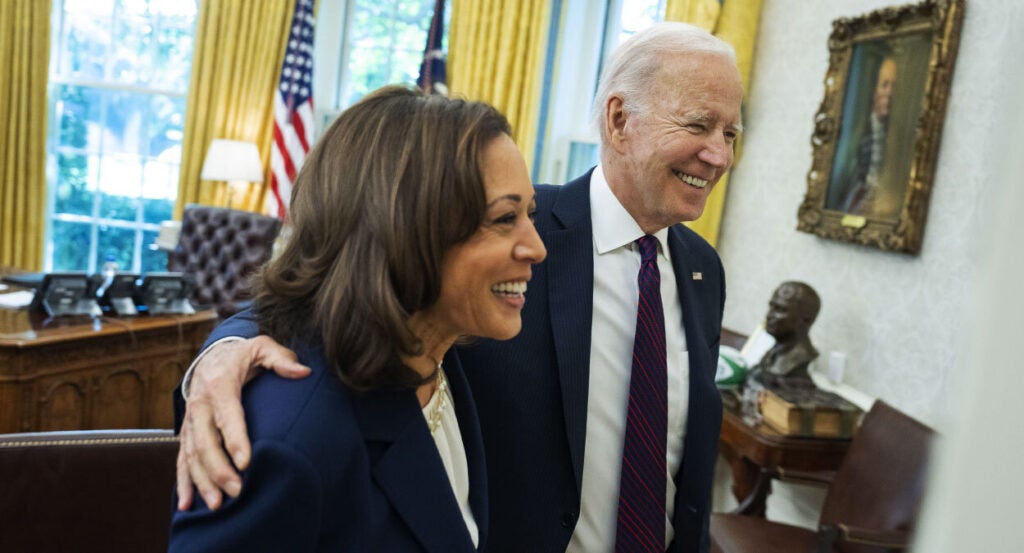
column 221, row 249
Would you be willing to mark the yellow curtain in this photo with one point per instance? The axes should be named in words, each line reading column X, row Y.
column 496, row 55
column 25, row 56
column 734, row 21
column 240, row 45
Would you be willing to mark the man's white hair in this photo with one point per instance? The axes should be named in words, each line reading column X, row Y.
column 633, row 67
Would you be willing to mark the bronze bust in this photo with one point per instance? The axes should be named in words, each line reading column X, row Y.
column 791, row 311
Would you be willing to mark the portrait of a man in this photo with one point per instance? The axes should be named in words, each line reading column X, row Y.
column 881, row 106
column 877, row 133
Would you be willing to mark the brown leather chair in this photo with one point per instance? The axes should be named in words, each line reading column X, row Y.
column 94, row 490
column 221, row 249
column 872, row 500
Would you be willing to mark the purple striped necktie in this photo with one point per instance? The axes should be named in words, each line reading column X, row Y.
column 641, row 518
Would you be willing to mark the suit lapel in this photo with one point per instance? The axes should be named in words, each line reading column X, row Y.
column 469, row 427
column 408, row 469
column 688, row 285
column 704, row 400
column 570, row 273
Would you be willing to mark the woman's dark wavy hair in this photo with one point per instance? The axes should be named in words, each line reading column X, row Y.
column 392, row 185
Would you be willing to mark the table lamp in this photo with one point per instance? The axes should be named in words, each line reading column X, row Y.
column 235, row 161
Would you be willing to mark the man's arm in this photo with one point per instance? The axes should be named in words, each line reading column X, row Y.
column 213, row 414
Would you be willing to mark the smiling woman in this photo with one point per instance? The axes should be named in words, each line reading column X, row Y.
column 484, row 278
column 412, row 226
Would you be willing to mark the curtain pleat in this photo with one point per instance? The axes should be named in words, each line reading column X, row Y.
column 734, row 21
column 240, row 45
column 25, row 55
column 496, row 55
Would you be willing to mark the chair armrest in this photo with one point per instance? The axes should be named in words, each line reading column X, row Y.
column 829, row 534
column 821, row 478
column 753, row 504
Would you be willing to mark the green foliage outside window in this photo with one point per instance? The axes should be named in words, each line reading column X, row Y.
column 119, row 79
column 387, row 44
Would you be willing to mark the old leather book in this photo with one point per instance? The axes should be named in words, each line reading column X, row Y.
column 809, row 412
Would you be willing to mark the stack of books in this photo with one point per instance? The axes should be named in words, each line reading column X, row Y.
column 809, row 412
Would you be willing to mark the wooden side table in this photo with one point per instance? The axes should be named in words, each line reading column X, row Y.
column 751, row 447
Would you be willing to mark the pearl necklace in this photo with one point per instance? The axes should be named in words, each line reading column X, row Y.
column 434, row 421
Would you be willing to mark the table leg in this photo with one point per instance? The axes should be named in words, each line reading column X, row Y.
column 750, row 486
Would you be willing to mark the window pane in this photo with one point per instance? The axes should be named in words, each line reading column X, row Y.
column 166, row 127
column 184, row 11
column 406, row 67
column 132, row 62
column 157, row 210
column 79, row 111
column 127, row 124
column 119, row 242
column 174, row 46
column 159, row 189
column 133, row 7
column 120, row 185
column 153, row 260
column 84, row 48
column 368, row 69
column 387, row 44
column 76, row 184
column 70, row 246
column 637, row 15
column 88, row 7
column 125, row 208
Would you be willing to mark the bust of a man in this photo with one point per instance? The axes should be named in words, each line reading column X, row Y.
column 791, row 311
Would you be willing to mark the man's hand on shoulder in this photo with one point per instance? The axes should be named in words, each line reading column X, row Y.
column 214, row 416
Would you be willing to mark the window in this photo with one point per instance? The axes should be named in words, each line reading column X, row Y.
column 119, row 76
column 567, row 145
column 627, row 19
column 386, row 45
column 362, row 45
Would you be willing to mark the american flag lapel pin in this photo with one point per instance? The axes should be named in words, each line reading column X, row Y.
column 698, row 276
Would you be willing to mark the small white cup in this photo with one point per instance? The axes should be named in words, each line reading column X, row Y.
column 836, row 366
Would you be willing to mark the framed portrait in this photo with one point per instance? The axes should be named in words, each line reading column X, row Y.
column 876, row 134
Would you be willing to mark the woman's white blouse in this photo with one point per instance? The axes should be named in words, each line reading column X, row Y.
column 448, row 439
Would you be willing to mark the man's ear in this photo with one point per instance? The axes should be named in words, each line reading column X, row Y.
column 615, row 117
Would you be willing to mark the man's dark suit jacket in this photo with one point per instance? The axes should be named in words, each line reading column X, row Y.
column 333, row 470
column 531, row 391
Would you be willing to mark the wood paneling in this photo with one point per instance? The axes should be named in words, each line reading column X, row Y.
column 82, row 374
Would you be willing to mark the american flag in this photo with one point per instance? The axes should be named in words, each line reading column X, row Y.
column 293, row 110
column 432, row 70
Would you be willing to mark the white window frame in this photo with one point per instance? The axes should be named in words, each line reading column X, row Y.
column 587, row 36
column 331, row 52
column 54, row 149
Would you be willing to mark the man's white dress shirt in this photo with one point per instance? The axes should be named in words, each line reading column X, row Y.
column 616, row 267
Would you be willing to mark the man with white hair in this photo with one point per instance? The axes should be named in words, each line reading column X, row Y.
column 601, row 419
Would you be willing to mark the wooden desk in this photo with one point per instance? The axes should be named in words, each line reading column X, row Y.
column 749, row 448
column 78, row 374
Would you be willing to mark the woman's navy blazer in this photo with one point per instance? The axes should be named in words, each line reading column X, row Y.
column 336, row 470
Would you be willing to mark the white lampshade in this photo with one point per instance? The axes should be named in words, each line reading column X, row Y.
column 232, row 160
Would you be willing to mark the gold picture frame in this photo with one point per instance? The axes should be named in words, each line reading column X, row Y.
column 877, row 131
